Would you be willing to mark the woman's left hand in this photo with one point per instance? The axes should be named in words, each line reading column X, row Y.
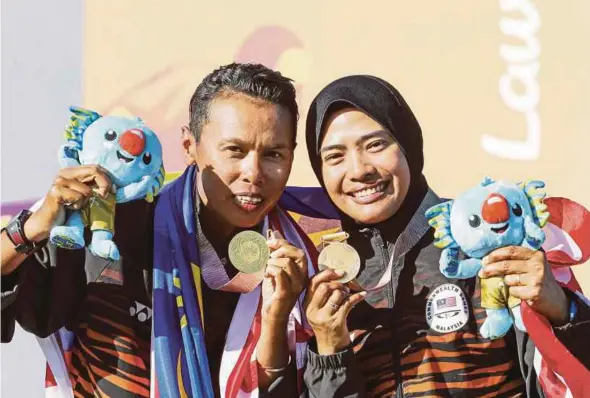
column 529, row 278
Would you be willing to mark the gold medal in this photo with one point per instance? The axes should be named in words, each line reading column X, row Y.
column 248, row 252
column 339, row 255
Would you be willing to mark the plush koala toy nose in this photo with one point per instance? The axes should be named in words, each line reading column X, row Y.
column 495, row 209
column 132, row 141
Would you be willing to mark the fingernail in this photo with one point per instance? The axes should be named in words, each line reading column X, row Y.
column 339, row 272
column 364, row 294
column 485, row 260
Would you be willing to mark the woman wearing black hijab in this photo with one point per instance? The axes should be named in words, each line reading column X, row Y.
column 365, row 146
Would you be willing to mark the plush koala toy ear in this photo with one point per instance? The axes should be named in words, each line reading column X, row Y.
column 533, row 189
column 439, row 218
column 79, row 121
column 487, row 181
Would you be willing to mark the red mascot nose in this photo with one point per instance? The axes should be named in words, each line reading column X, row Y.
column 495, row 209
column 132, row 141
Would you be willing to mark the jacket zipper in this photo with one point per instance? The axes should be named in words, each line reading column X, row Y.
column 398, row 378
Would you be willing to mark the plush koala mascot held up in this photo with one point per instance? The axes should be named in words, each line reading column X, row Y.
column 487, row 217
column 131, row 154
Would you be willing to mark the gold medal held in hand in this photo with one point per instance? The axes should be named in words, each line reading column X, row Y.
column 339, row 255
column 248, row 252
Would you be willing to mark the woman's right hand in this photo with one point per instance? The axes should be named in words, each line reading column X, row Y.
column 73, row 186
column 327, row 305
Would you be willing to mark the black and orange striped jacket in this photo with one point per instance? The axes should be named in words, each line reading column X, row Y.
column 406, row 348
column 107, row 307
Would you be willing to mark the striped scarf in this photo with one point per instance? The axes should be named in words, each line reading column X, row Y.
column 181, row 262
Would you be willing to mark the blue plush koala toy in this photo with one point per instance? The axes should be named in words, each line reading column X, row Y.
column 485, row 218
column 131, row 154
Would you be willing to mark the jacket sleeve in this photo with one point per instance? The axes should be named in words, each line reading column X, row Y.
column 336, row 375
column 9, row 286
column 43, row 294
column 285, row 386
column 574, row 334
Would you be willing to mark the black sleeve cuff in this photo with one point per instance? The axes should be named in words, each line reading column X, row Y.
column 574, row 334
column 284, row 386
column 582, row 314
column 338, row 360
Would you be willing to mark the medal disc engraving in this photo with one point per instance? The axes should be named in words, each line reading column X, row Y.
column 248, row 252
column 340, row 256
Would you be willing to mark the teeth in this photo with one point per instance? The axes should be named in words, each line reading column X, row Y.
column 370, row 191
column 249, row 199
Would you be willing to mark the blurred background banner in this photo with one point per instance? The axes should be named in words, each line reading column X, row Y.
column 501, row 88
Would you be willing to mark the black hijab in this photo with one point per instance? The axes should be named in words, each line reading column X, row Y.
column 382, row 102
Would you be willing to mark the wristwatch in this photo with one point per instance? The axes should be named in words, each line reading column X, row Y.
column 16, row 233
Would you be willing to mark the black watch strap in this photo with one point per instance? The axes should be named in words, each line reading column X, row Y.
column 16, row 233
